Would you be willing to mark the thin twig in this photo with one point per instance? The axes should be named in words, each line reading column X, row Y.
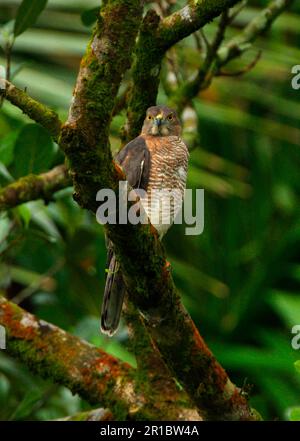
column 246, row 69
column 237, row 9
column 36, row 284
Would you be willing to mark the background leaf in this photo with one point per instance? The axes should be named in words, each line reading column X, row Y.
column 27, row 14
column 294, row 414
column 7, row 148
column 89, row 16
column 34, row 151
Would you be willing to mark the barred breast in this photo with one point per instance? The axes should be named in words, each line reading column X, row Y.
column 167, row 180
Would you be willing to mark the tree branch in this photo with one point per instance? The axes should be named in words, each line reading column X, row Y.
column 155, row 38
column 33, row 187
column 34, row 109
column 139, row 251
column 151, row 288
column 260, row 24
column 84, row 137
column 90, row 415
column 95, row 375
column 217, row 57
column 189, row 19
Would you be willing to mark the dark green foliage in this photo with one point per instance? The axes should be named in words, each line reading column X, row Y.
column 89, row 16
column 27, row 14
column 33, row 152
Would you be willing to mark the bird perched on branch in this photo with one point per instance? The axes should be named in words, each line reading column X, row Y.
column 156, row 161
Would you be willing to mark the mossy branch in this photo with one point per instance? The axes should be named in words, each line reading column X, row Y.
column 32, row 187
column 155, row 38
column 34, row 109
column 189, row 19
column 90, row 415
column 92, row 373
column 150, row 287
column 256, row 27
column 218, row 56
column 140, row 253
column 84, row 136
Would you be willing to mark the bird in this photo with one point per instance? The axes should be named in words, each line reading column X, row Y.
column 154, row 161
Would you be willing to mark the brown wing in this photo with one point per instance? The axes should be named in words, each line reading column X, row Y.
column 134, row 158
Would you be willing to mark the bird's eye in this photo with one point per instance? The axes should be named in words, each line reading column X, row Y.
column 149, row 117
column 170, row 117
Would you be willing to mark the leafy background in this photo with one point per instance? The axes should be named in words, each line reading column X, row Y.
column 240, row 279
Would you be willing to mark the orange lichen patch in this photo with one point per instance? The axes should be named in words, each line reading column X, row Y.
column 108, row 364
column 198, row 340
column 88, row 58
column 19, row 325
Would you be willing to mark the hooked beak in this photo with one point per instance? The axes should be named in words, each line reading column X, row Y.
column 158, row 120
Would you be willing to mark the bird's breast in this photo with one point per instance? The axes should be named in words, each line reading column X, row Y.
column 167, row 180
column 168, row 162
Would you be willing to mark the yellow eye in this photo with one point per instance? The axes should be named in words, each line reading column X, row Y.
column 149, row 117
column 170, row 117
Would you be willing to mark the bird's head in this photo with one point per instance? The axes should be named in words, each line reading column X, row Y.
column 161, row 121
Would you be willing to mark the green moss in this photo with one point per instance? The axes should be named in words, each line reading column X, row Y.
column 35, row 110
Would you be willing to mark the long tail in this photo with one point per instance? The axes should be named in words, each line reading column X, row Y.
column 113, row 297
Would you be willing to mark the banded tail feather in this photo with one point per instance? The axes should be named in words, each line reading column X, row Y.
column 113, row 297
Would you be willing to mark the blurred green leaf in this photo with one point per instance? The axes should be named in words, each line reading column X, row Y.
column 4, row 388
column 287, row 306
column 89, row 16
column 24, row 213
column 17, row 68
column 22, row 275
column 7, row 148
column 88, row 328
column 27, row 14
column 4, row 227
column 7, row 34
column 294, row 414
column 297, row 366
column 5, row 176
column 26, row 406
column 34, row 151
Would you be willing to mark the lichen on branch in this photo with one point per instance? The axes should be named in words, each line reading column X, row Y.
column 32, row 187
column 34, row 109
column 155, row 38
column 84, row 136
column 219, row 55
column 171, row 342
column 92, row 373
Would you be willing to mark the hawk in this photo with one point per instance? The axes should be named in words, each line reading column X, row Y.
column 156, row 161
